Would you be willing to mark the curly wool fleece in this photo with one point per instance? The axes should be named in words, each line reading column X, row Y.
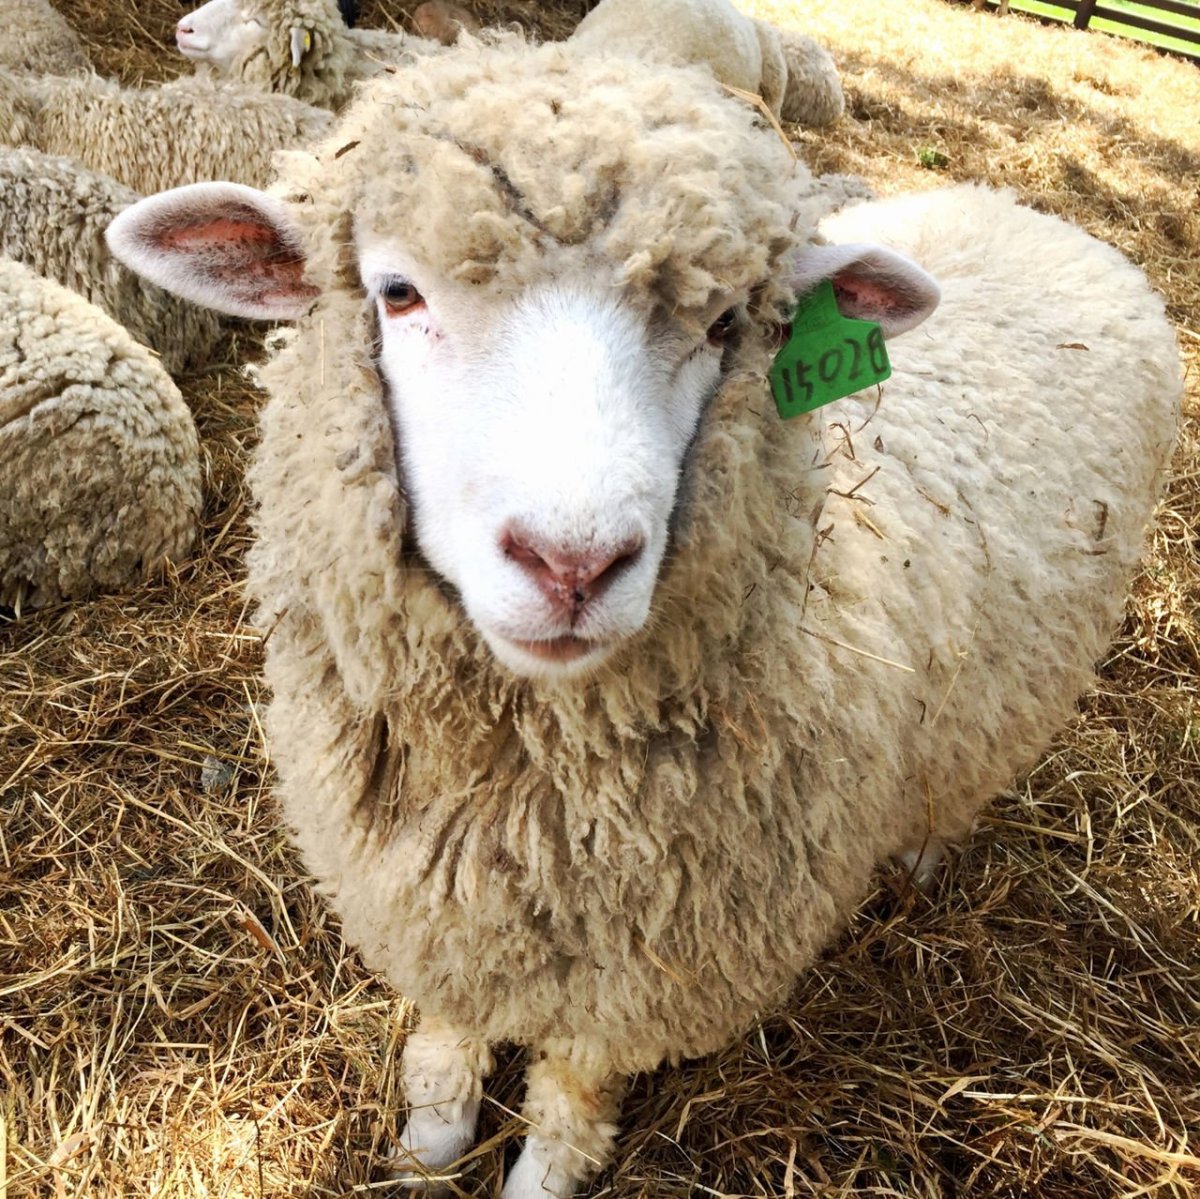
column 99, row 460
column 644, row 862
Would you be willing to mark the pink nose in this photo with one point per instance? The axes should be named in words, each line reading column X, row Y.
column 183, row 27
column 568, row 578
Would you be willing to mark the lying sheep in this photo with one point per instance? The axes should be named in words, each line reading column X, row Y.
column 157, row 137
column 795, row 77
column 53, row 214
column 301, row 48
column 37, row 38
column 599, row 690
column 99, row 461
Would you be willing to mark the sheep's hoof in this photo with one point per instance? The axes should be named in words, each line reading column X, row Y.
column 923, row 863
column 546, row 1169
column 430, row 1146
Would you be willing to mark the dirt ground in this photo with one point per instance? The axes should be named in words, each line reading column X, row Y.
column 179, row 1018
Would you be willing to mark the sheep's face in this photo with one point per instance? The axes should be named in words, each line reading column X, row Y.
column 221, row 33
column 542, row 439
column 554, row 248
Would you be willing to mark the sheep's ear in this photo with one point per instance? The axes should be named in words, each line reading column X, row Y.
column 222, row 245
column 872, row 283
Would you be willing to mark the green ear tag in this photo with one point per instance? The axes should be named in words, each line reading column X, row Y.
column 827, row 356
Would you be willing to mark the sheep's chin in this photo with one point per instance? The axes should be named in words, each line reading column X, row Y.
column 551, row 661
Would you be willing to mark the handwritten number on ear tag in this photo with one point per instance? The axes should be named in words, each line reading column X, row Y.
column 826, row 356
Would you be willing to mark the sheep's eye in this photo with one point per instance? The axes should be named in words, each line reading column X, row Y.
column 399, row 296
column 719, row 331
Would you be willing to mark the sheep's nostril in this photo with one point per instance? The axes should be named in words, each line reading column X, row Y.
column 567, row 577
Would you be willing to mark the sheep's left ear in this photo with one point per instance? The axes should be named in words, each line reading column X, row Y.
column 222, row 245
column 871, row 283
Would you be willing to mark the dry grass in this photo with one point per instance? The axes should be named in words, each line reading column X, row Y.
column 179, row 1018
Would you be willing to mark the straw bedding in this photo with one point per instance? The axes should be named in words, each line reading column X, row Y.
column 179, row 1018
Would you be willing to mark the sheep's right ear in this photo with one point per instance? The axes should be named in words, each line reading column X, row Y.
column 870, row 282
column 223, row 245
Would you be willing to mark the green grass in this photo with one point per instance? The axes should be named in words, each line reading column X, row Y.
column 1056, row 12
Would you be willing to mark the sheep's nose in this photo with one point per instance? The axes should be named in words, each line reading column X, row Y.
column 568, row 578
column 183, row 27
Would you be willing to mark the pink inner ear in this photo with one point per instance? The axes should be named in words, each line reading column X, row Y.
column 861, row 297
column 247, row 254
column 221, row 229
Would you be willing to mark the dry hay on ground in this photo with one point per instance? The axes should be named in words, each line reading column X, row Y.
column 179, row 1018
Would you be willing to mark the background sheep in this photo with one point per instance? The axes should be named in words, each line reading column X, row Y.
column 53, row 214
column 152, row 138
column 99, row 463
column 795, row 77
column 300, row 48
column 39, row 39
column 867, row 624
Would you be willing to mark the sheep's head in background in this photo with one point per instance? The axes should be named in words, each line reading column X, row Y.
column 220, row 33
column 223, row 34
column 551, row 273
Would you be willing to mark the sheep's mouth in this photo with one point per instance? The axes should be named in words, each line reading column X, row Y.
column 568, row 648
column 190, row 49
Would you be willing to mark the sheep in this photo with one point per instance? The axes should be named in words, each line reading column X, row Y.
column 795, row 76
column 158, row 137
column 599, row 691
column 301, row 48
column 99, row 461
column 38, row 39
column 53, row 214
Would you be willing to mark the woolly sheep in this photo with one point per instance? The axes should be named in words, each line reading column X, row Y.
column 300, row 48
column 99, row 462
column 303, row 48
column 38, row 39
column 795, row 76
column 157, row 137
column 53, row 214
column 599, row 690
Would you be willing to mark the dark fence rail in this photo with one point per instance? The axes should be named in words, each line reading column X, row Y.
column 1184, row 30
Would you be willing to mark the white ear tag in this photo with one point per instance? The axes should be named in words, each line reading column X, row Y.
column 301, row 45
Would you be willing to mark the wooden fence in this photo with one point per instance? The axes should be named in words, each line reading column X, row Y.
column 1172, row 25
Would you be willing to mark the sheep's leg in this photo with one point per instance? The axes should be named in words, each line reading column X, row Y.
column 571, row 1104
column 443, row 1071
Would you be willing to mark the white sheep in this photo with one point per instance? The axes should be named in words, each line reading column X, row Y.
column 301, row 48
column 157, row 137
column 600, row 690
column 795, row 77
column 53, row 214
column 99, row 461
column 37, row 38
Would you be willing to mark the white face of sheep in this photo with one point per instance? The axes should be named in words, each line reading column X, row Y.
column 542, row 438
column 542, row 441
column 220, row 33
